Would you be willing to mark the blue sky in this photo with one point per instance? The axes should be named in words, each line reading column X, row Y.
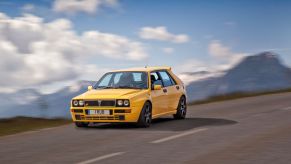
column 218, row 33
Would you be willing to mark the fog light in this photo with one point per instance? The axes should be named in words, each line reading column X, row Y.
column 78, row 117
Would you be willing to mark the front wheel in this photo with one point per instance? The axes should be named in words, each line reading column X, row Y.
column 81, row 124
column 145, row 117
column 181, row 109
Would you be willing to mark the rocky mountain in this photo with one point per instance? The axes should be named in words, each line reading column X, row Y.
column 261, row 72
column 33, row 104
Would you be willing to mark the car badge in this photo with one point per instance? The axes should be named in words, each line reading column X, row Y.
column 99, row 102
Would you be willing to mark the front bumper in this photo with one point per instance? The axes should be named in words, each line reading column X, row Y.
column 117, row 114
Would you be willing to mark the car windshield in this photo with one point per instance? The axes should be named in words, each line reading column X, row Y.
column 126, row 80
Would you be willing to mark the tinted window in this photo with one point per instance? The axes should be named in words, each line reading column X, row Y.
column 166, row 79
column 155, row 80
column 172, row 80
column 137, row 77
column 136, row 80
column 105, row 80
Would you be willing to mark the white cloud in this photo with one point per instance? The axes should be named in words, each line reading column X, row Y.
column 168, row 50
column 34, row 52
column 87, row 6
column 193, row 70
column 224, row 54
column 221, row 59
column 112, row 46
column 161, row 33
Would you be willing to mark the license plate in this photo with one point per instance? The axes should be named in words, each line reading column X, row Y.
column 99, row 112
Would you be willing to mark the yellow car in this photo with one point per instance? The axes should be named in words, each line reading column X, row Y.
column 135, row 95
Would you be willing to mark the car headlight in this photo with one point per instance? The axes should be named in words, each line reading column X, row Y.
column 75, row 102
column 126, row 102
column 81, row 103
column 122, row 103
column 78, row 103
column 119, row 102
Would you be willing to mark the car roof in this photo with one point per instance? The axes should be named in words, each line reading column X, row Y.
column 144, row 69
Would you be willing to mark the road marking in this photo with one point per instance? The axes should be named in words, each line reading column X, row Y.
column 287, row 108
column 101, row 158
column 178, row 135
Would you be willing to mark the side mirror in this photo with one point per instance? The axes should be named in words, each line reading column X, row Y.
column 90, row 87
column 157, row 87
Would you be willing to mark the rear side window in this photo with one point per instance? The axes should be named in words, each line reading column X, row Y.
column 167, row 80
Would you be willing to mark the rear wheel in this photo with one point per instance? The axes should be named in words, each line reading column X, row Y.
column 181, row 109
column 145, row 117
column 81, row 124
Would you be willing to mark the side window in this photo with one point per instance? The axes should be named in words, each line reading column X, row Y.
column 172, row 79
column 154, row 77
column 166, row 79
column 155, row 80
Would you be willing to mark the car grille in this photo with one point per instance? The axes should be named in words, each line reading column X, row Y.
column 100, row 103
column 100, row 118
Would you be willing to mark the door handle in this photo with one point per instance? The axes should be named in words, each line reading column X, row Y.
column 165, row 90
column 177, row 87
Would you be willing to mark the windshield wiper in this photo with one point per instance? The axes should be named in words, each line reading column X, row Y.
column 128, row 87
column 106, row 87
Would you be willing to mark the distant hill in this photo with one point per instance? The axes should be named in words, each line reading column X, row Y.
column 261, row 72
column 48, row 106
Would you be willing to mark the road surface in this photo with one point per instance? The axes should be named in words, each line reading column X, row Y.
column 250, row 130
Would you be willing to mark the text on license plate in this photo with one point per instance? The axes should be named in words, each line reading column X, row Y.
column 98, row 112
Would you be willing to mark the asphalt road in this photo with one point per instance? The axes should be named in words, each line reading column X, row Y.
column 250, row 130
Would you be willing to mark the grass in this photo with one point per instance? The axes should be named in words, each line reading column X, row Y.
column 236, row 95
column 22, row 124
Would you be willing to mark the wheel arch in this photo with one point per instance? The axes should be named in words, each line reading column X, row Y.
column 150, row 104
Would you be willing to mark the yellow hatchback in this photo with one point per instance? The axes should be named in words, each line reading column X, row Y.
column 135, row 95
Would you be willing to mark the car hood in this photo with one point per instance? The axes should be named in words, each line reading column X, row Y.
column 109, row 93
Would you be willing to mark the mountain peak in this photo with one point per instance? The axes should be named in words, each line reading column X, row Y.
column 261, row 71
column 264, row 60
column 266, row 56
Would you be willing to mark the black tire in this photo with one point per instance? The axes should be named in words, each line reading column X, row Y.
column 81, row 124
column 181, row 109
column 145, row 117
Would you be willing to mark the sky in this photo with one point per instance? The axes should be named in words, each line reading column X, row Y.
column 47, row 44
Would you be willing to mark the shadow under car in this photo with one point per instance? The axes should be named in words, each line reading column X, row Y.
column 167, row 124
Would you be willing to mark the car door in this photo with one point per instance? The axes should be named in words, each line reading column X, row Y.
column 159, row 97
column 177, row 92
column 171, row 90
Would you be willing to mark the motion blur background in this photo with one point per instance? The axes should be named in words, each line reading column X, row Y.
column 50, row 51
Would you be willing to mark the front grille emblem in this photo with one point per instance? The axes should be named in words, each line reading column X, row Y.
column 99, row 102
